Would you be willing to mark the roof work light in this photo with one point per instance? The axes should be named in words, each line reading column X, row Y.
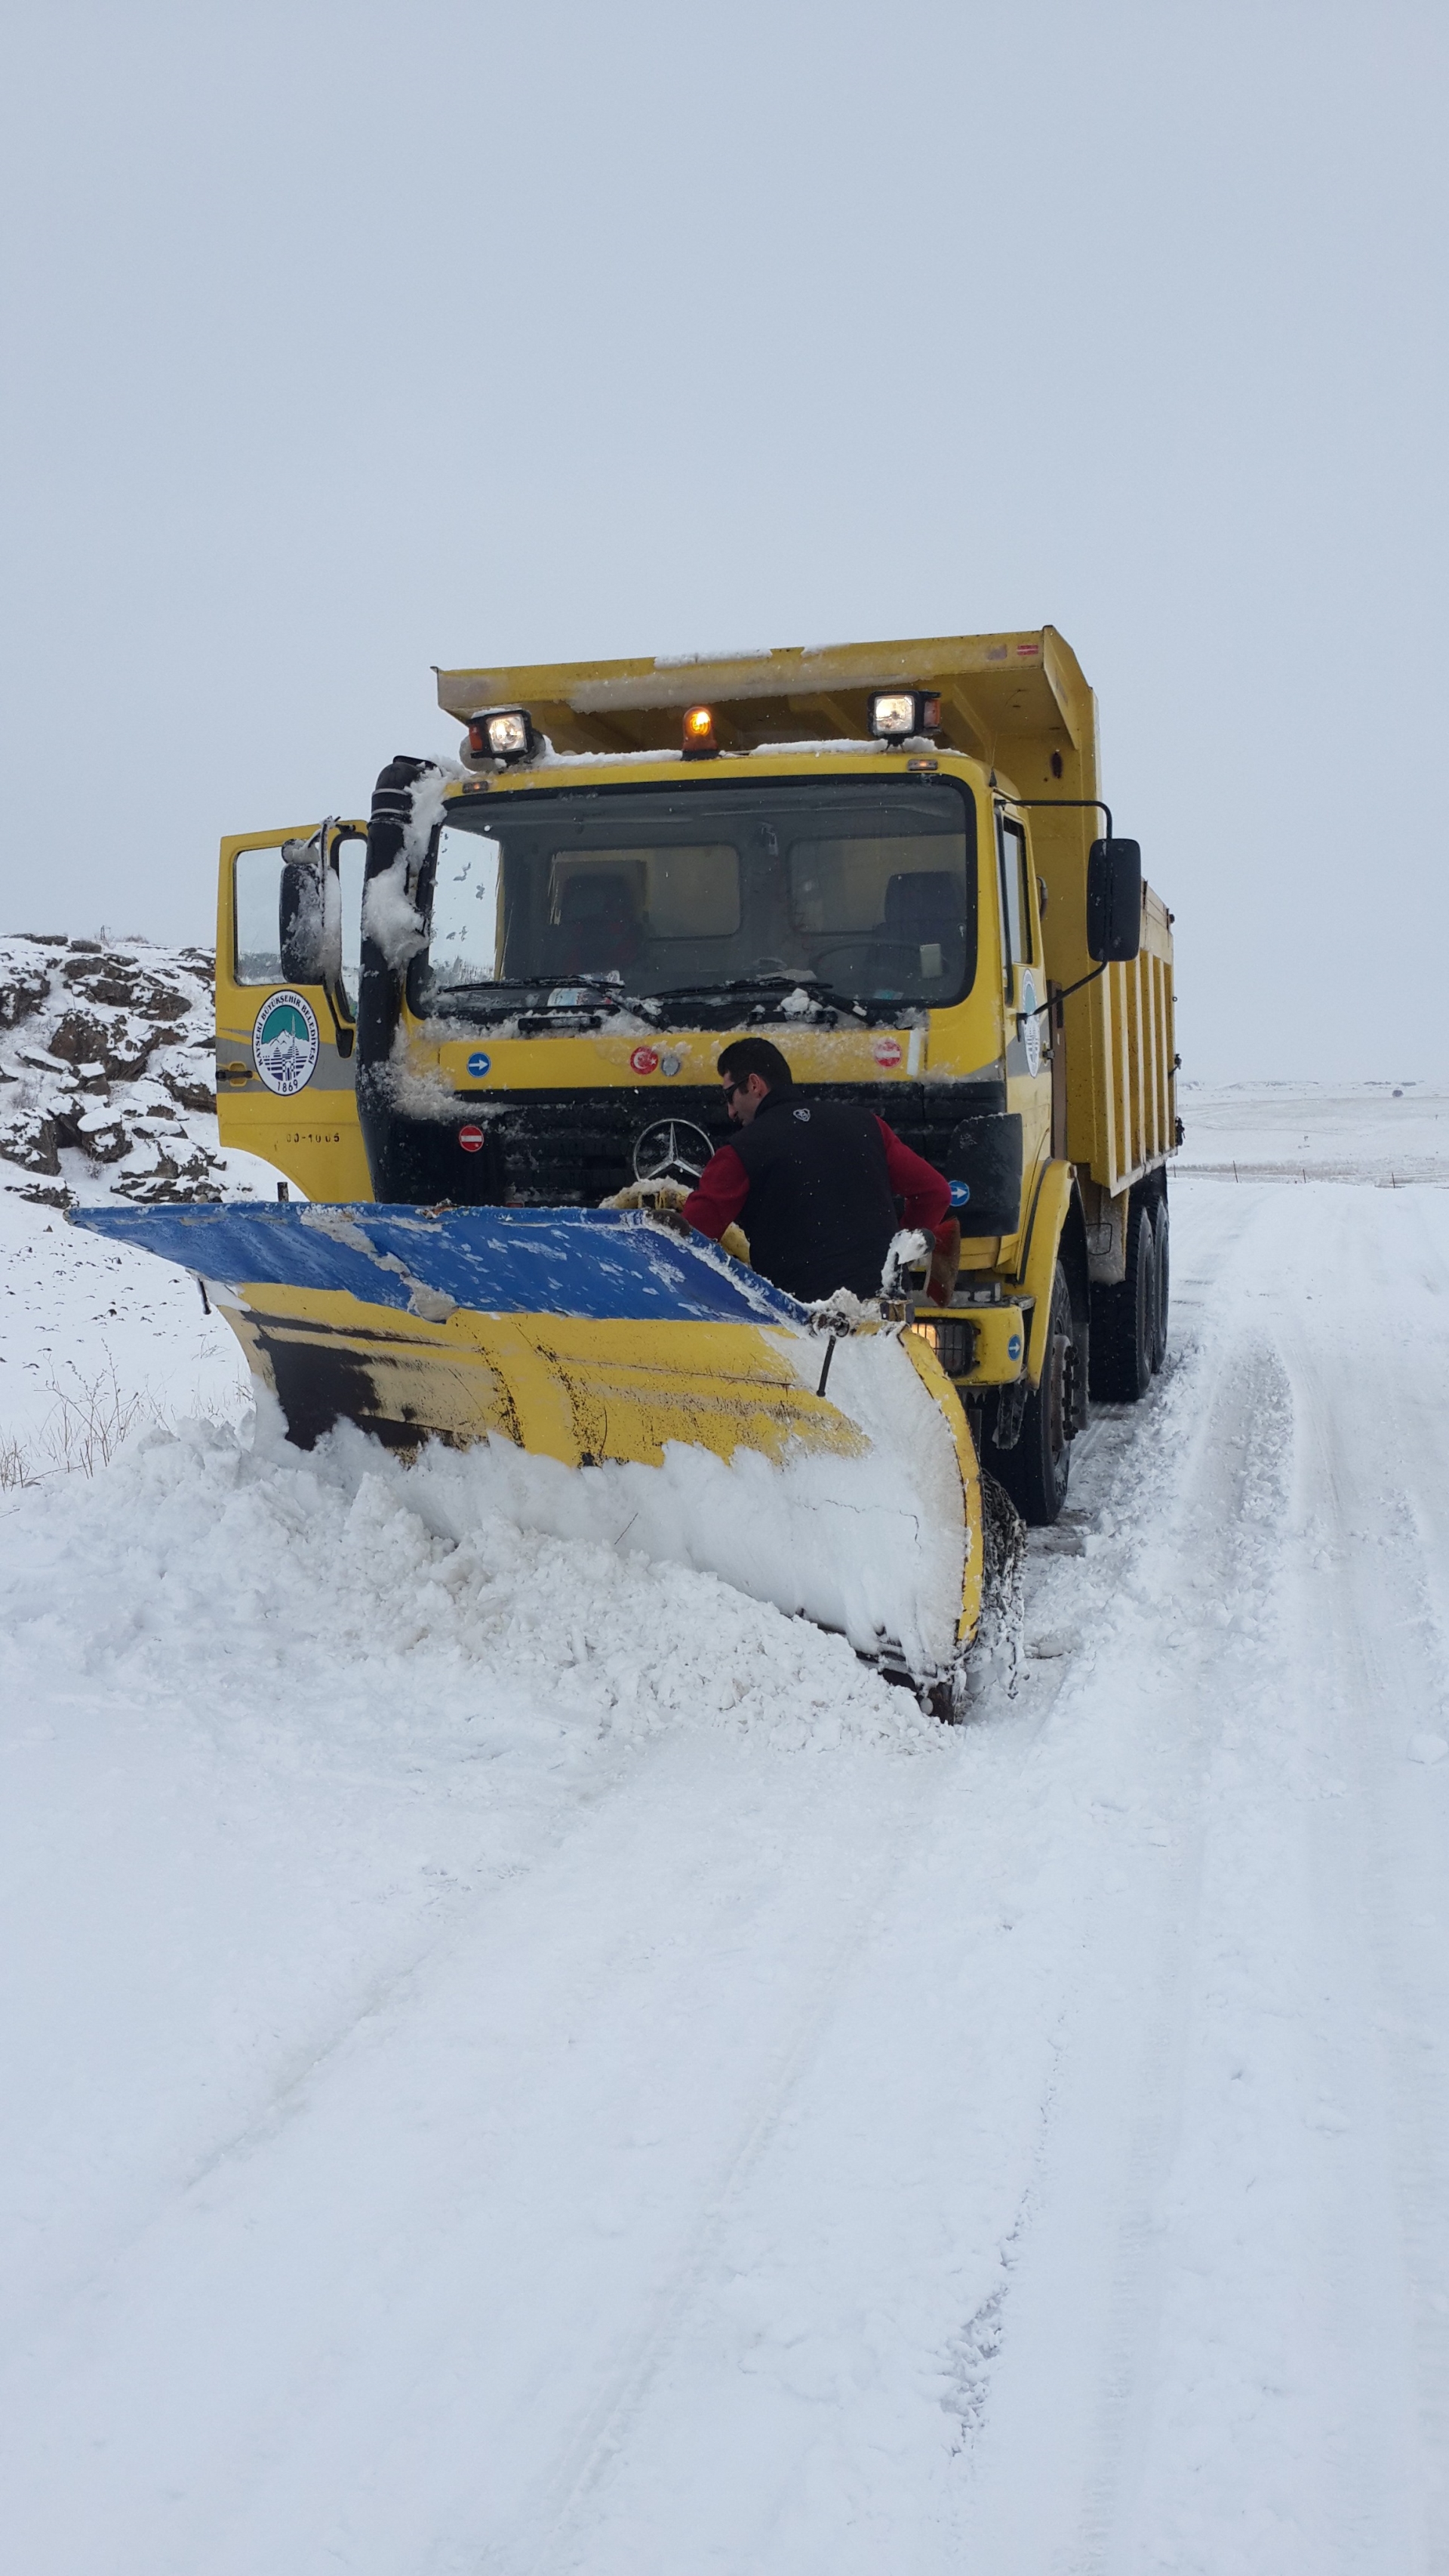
column 699, row 742
column 896, row 715
column 505, row 733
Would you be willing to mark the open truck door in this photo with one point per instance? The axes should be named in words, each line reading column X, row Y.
column 288, row 950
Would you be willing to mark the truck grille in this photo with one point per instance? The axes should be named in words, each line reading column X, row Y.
column 573, row 1148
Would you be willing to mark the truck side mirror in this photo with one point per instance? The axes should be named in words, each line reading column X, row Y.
column 1114, row 902
column 301, row 913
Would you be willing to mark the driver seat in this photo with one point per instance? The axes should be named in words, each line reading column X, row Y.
column 598, row 927
column 925, row 910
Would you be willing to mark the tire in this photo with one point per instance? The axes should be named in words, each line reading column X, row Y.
column 1162, row 1260
column 1035, row 1469
column 1124, row 1319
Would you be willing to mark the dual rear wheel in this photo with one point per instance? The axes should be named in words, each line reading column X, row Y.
column 1128, row 1344
column 1129, row 1322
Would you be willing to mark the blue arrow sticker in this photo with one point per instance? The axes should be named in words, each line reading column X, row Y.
column 478, row 1066
column 1013, row 1347
column 960, row 1193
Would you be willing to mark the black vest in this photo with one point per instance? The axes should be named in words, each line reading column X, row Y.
column 820, row 1214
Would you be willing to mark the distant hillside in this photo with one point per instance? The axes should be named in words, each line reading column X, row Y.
column 106, row 1055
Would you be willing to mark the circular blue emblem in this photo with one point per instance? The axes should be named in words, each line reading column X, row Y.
column 478, row 1066
column 960, row 1193
column 1013, row 1347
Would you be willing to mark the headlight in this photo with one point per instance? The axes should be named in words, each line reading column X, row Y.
column 505, row 734
column 953, row 1340
column 897, row 714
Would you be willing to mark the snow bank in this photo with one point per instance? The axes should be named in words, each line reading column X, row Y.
column 95, row 1338
column 225, row 1572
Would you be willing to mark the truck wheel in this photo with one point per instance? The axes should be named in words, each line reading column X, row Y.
column 1162, row 1264
column 1124, row 1319
column 1035, row 1469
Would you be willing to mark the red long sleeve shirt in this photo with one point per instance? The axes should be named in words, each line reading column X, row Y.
column 724, row 1186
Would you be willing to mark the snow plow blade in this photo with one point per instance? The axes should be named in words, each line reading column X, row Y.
column 627, row 1383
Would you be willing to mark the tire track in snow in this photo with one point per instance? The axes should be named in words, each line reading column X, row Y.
column 1260, row 2422
column 1224, row 1511
column 991, row 1858
column 597, row 2440
column 1183, row 1589
column 1375, row 1498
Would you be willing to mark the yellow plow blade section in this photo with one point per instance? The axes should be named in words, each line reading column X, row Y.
column 619, row 1382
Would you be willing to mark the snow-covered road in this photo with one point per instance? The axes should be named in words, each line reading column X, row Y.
column 496, row 2082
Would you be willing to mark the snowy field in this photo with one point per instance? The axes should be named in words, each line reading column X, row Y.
column 518, row 2060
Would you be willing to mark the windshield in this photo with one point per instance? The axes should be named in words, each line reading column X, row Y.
column 858, row 893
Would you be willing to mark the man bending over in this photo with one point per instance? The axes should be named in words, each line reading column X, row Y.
column 815, row 1185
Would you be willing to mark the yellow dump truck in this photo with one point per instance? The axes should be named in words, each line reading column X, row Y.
column 495, row 1010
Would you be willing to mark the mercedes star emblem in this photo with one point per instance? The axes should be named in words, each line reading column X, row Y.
column 672, row 1149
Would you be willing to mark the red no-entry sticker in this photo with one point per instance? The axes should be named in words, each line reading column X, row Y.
column 471, row 1139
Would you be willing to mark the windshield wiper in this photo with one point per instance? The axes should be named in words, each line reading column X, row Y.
column 547, row 984
column 823, row 994
column 490, row 984
column 740, row 984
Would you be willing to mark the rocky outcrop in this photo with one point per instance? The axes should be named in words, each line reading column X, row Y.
column 22, row 996
column 106, row 1064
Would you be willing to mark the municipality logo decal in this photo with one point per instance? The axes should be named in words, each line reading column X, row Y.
column 285, row 1042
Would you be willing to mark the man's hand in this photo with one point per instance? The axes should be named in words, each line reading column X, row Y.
column 655, row 1197
column 945, row 1263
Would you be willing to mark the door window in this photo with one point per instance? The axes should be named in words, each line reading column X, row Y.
column 257, row 901
column 1015, row 896
column 257, row 883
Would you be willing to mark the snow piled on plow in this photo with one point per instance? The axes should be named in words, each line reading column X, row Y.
column 870, row 1547
column 232, row 1571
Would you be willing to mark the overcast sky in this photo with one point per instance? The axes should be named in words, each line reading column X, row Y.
column 343, row 341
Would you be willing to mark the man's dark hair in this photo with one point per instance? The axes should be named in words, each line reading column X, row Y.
column 744, row 1056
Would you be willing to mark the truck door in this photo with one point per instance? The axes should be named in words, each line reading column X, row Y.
column 288, row 948
column 1028, row 1036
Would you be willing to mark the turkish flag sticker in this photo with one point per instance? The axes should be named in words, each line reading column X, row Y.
column 645, row 1059
column 471, row 1139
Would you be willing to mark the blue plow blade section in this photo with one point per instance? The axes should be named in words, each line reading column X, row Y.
column 596, row 1264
